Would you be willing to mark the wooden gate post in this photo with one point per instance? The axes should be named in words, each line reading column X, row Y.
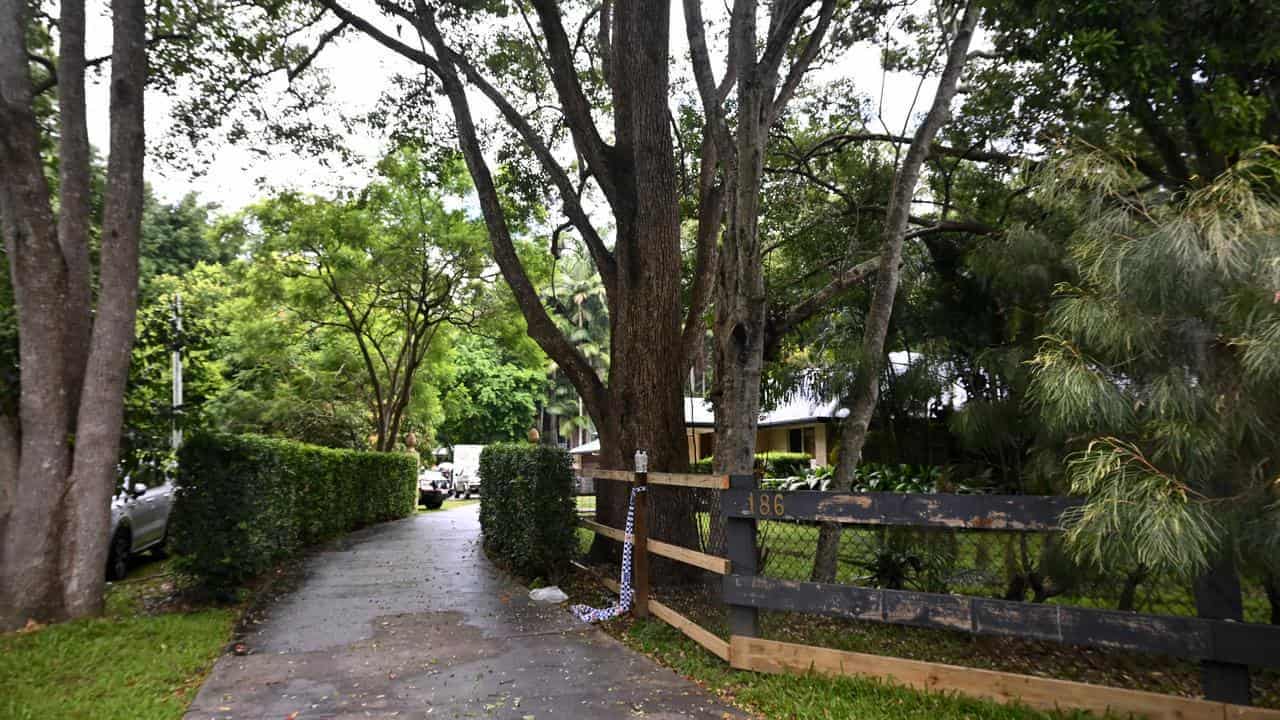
column 640, row 550
column 1218, row 597
column 740, row 546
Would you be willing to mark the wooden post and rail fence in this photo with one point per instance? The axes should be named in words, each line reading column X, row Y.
column 1225, row 649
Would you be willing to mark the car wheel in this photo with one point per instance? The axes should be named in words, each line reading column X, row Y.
column 118, row 556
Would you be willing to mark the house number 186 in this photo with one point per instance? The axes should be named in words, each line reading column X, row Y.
column 764, row 504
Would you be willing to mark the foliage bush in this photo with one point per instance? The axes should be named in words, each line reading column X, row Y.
column 772, row 464
column 870, row 477
column 245, row 502
column 527, row 508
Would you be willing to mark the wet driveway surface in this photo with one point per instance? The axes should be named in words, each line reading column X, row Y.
column 409, row 620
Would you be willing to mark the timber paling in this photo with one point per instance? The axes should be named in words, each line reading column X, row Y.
column 1223, row 645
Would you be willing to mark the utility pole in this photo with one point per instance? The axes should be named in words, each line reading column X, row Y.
column 175, row 432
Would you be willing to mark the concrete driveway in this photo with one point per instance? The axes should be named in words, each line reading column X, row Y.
column 409, row 620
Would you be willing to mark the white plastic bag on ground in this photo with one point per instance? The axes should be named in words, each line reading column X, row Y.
column 551, row 594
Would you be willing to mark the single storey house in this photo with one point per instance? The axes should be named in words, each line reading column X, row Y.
column 799, row 425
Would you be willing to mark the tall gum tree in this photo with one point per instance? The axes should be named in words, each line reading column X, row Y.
column 866, row 390
column 58, row 454
column 609, row 85
column 639, row 404
column 760, row 98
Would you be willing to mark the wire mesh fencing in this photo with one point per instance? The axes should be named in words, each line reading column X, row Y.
column 1029, row 566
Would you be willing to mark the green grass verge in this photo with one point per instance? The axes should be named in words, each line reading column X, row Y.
column 801, row 697
column 129, row 664
column 450, row 504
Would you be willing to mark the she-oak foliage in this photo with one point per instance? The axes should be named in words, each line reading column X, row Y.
column 1160, row 365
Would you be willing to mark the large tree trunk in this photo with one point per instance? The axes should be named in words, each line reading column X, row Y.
column 74, row 204
column 740, row 298
column 644, row 408
column 87, row 505
column 740, row 323
column 29, row 551
column 54, row 543
column 866, row 393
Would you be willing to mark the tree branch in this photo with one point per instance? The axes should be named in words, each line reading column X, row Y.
column 798, row 69
column 569, row 196
column 540, row 325
column 710, row 219
column 834, row 143
column 325, row 39
column 577, row 110
column 384, row 39
column 785, row 321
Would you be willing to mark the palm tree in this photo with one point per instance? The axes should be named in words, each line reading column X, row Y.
column 577, row 301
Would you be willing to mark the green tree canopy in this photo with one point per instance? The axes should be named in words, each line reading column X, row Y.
column 487, row 394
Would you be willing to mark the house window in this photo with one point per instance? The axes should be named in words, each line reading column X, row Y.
column 706, row 445
column 801, row 440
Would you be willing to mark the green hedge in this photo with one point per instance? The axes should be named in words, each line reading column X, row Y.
column 245, row 502
column 772, row 464
column 527, row 508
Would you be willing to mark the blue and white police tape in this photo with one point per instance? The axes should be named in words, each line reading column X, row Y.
column 627, row 594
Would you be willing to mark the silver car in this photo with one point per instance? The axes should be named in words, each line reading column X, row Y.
column 139, row 521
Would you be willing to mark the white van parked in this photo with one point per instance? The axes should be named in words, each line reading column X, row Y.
column 466, row 470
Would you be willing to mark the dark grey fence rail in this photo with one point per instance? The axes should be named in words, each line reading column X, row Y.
column 984, row 512
column 1195, row 638
column 1226, row 649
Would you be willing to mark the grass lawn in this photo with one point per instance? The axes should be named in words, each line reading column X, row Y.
column 132, row 663
column 450, row 504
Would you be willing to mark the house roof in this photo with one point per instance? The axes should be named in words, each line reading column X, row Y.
column 699, row 413
column 796, row 411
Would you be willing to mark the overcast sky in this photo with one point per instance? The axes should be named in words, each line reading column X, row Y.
column 360, row 71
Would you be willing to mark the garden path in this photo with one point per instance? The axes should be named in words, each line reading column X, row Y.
column 409, row 620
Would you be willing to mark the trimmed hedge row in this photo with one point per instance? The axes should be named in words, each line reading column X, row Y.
column 245, row 502
column 772, row 464
column 527, row 508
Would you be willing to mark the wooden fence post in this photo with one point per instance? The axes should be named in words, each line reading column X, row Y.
column 640, row 549
column 1218, row 597
column 740, row 546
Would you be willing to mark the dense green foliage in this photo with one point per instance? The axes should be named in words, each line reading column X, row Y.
column 527, row 510
column 487, row 395
column 771, row 464
column 872, row 477
column 267, row 350
column 1162, row 362
column 247, row 502
column 380, row 275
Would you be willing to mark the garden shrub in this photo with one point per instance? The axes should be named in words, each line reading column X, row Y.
column 527, row 508
column 245, row 502
column 772, row 464
column 783, row 464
